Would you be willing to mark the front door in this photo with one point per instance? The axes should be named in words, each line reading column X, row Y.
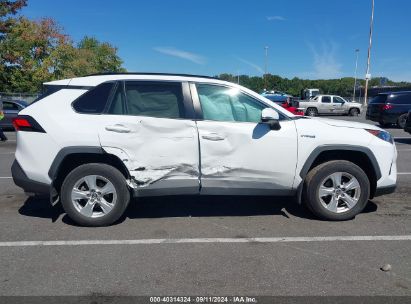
column 146, row 127
column 240, row 155
column 338, row 105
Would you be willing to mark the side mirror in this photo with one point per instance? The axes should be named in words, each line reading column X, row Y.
column 271, row 118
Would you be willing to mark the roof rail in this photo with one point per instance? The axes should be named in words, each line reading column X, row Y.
column 149, row 73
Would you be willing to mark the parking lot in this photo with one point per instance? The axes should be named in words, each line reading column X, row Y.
column 206, row 245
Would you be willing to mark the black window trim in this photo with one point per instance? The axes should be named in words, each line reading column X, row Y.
column 199, row 112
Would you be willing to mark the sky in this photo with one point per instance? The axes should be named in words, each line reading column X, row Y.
column 313, row 39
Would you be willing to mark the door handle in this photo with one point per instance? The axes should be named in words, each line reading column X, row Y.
column 118, row 129
column 212, row 136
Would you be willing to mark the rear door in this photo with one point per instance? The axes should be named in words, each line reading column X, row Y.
column 239, row 154
column 147, row 124
column 325, row 106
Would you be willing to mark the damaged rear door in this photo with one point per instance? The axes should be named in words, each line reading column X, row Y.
column 148, row 127
column 240, row 155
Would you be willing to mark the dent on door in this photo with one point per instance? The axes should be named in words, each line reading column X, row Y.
column 247, row 156
column 156, row 149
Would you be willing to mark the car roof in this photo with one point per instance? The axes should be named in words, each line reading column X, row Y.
column 96, row 79
column 20, row 102
column 394, row 92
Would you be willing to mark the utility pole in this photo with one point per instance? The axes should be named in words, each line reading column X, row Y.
column 265, row 68
column 355, row 74
column 368, row 76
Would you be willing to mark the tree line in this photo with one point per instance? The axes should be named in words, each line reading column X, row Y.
column 343, row 86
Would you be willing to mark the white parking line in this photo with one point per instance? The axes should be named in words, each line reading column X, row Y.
column 209, row 240
column 5, row 177
column 403, row 173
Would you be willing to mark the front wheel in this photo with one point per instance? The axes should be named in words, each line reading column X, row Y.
column 95, row 194
column 336, row 190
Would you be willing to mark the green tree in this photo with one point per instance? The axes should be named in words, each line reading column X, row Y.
column 7, row 10
column 31, row 53
column 94, row 56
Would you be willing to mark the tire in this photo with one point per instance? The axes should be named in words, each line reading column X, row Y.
column 402, row 120
column 354, row 112
column 311, row 112
column 323, row 207
column 99, row 187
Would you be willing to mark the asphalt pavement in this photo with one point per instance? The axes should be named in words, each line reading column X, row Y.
column 206, row 245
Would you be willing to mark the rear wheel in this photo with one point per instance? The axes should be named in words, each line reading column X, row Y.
column 95, row 195
column 311, row 112
column 401, row 121
column 336, row 190
column 354, row 112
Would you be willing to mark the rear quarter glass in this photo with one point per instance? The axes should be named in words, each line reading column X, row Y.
column 379, row 99
column 400, row 99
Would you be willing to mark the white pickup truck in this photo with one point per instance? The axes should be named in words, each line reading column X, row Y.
column 329, row 104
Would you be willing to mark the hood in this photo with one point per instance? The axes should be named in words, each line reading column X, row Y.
column 346, row 123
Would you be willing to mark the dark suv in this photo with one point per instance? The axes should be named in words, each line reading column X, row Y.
column 407, row 127
column 390, row 108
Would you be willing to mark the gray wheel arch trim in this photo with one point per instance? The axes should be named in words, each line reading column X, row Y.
column 63, row 153
column 317, row 151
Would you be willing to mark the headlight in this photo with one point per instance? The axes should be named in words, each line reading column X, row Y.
column 384, row 135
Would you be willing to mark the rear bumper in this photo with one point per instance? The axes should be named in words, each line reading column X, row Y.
column 383, row 117
column 385, row 190
column 20, row 179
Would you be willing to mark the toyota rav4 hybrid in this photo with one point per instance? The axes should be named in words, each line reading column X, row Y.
column 94, row 142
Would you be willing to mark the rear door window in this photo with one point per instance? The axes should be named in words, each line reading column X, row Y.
column 155, row 99
column 326, row 99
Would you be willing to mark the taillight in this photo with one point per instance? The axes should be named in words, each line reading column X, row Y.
column 386, row 106
column 27, row 123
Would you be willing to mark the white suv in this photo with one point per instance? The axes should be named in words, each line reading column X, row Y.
column 92, row 142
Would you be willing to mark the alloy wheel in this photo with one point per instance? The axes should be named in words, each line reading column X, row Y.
column 93, row 196
column 339, row 192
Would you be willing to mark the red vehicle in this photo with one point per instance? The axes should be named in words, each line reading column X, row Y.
column 285, row 102
column 288, row 105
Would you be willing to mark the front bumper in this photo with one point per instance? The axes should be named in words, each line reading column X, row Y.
column 20, row 179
